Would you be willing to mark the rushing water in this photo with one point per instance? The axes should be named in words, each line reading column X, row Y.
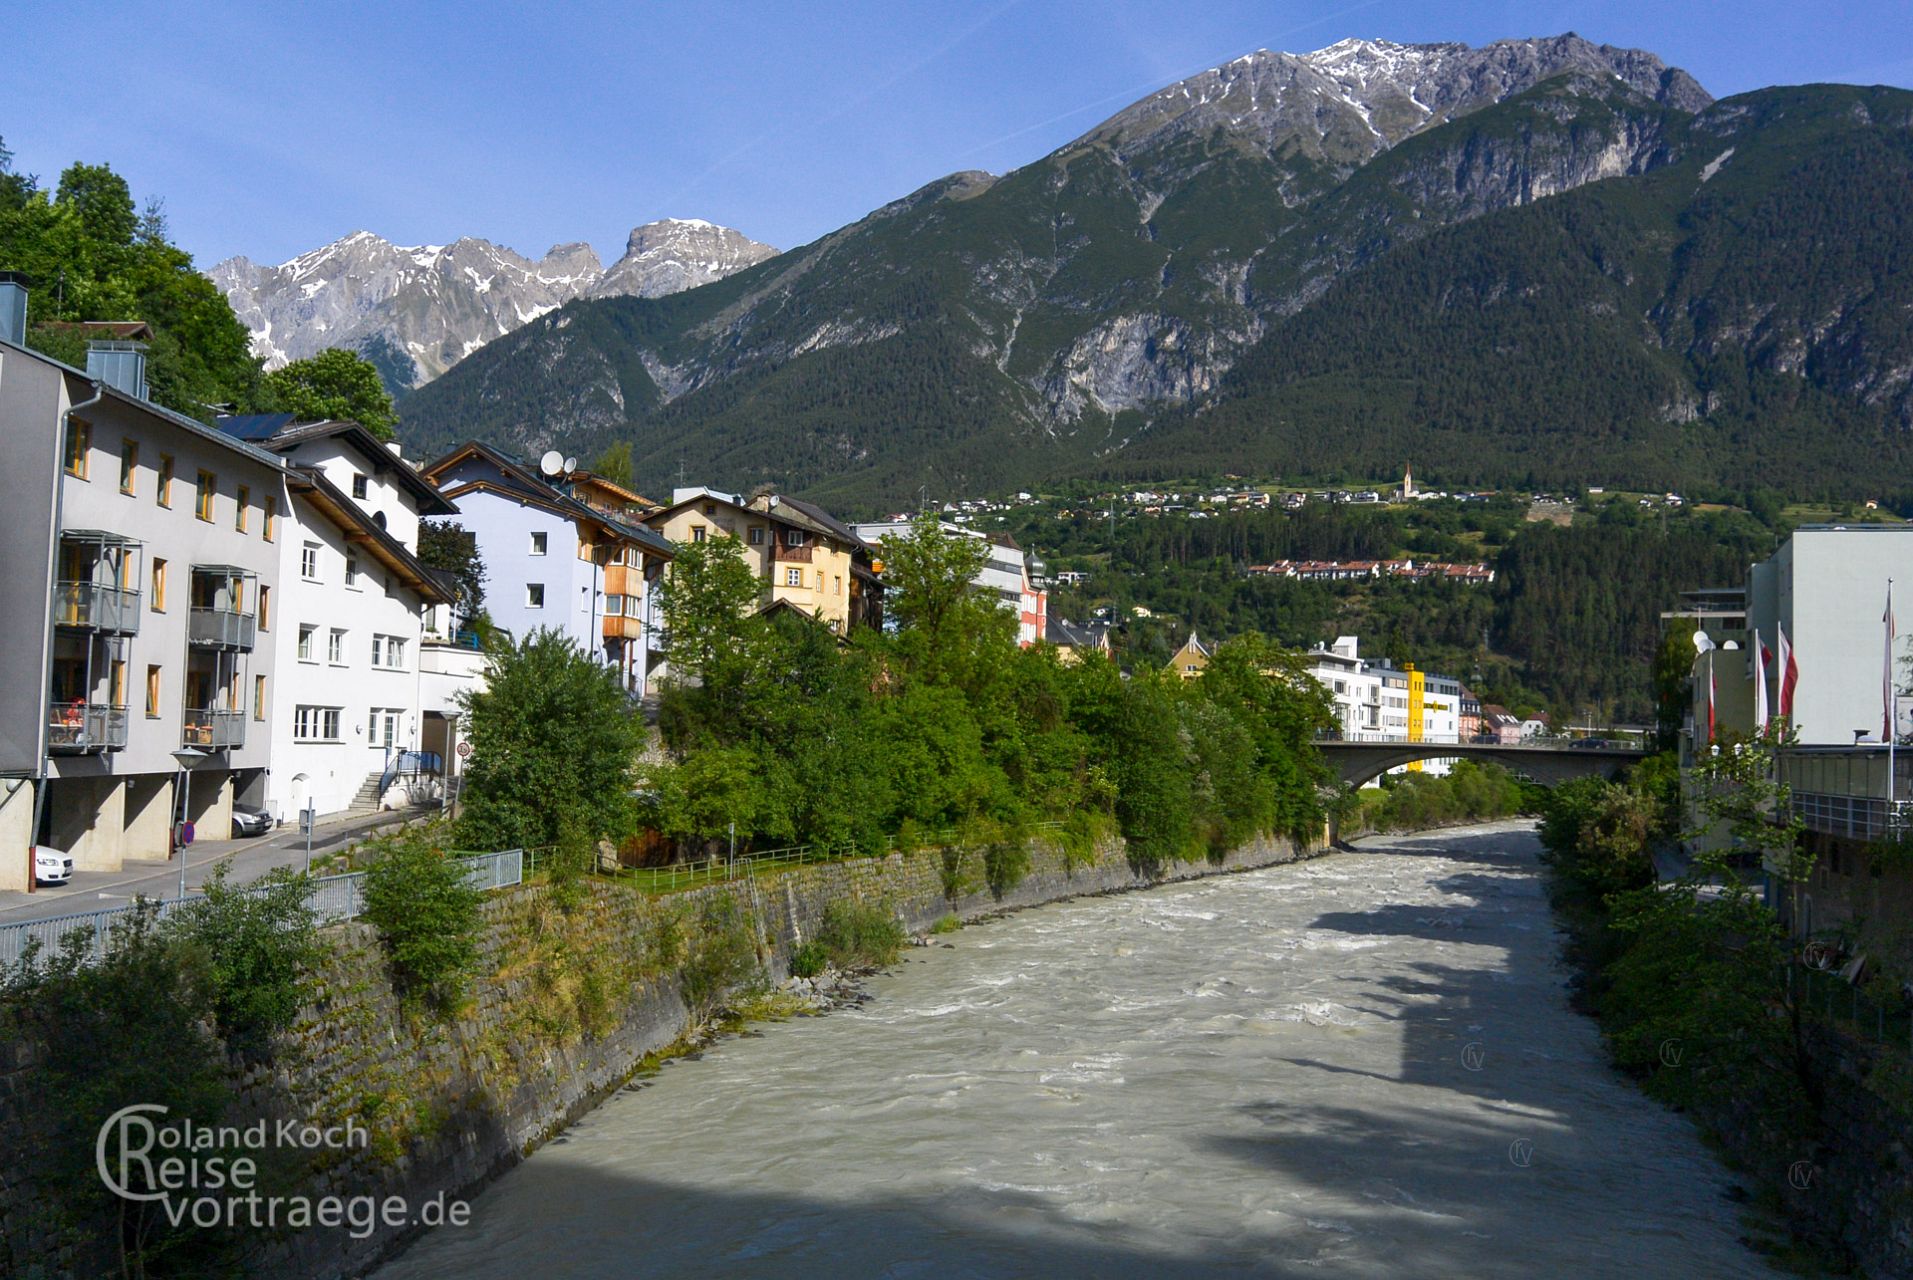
column 1362, row 1065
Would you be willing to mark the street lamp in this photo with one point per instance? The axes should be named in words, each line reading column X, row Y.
column 189, row 758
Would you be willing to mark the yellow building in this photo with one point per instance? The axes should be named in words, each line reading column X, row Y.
column 806, row 558
column 1191, row 659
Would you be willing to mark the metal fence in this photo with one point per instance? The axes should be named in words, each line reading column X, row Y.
column 332, row 898
column 1829, row 995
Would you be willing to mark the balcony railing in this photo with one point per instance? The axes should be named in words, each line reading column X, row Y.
column 782, row 554
column 213, row 730
column 97, row 607
column 221, row 629
column 80, row 727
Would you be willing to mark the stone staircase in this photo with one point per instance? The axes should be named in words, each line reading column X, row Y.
column 367, row 799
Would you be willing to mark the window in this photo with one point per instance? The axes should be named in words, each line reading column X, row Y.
column 259, row 697
column 272, row 514
column 614, row 606
column 116, row 680
column 315, row 724
column 203, row 498
column 793, row 537
column 697, row 533
column 305, row 641
column 129, row 465
column 243, row 497
column 757, row 536
column 793, row 577
column 164, row 491
column 159, row 585
column 820, row 582
column 388, row 652
column 352, row 570
column 309, row 562
column 152, row 692
column 538, row 544
column 358, row 486
column 836, row 586
column 384, row 725
column 265, row 607
column 534, row 595
column 79, row 441
column 335, row 647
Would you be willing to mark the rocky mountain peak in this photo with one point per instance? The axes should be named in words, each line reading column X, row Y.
column 1349, row 101
column 425, row 307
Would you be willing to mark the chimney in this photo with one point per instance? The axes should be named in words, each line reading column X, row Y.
column 120, row 365
column 13, row 308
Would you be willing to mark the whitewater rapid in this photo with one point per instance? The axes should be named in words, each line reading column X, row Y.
column 1363, row 1065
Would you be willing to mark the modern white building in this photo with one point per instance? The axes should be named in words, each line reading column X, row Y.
column 1377, row 702
column 349, row 620
column 1826, row 587
column 1012, row 577
column 139, row 552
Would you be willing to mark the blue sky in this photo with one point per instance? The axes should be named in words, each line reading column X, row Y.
column 271, row 128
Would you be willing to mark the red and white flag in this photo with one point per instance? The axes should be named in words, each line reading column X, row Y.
column 1760, row 657
column 1710, row 701
column 1789, row 670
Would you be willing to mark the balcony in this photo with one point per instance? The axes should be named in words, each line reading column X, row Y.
column 217, row 628
column 94, row 606
column 213, row 730
column 782, row 554
column 81, row 728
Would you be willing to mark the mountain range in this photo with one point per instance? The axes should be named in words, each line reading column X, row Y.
column 416, row 311
column 1539, row 261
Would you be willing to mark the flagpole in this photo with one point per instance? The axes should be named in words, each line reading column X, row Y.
column 1892, row 709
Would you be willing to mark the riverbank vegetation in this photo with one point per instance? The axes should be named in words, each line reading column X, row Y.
column 1415, row 801
column 943, row 731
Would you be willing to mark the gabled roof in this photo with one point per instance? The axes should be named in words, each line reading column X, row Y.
column 794, row 512
column 519, row 482
column 282, row 434
column 361, row 530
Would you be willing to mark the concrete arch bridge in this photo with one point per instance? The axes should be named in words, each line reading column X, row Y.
column 1358, row 763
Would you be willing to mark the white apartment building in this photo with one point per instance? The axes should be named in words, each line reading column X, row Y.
column 138, row 551
column 1377, row 702
column 1826, row 586
column 348, row 617
column 1012, row 577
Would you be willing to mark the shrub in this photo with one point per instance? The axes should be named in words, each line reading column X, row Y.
column 864, row 935
column 946, row 923
column 720, row 956
column 253, row 945
column 427, row 913
column 809, row 960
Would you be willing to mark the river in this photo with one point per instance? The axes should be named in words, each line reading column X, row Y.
column 1362, row 1065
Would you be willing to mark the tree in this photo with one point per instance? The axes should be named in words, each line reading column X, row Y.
column 337, row 384
column 428, row 914
column 102, row 200
column 15, row 188
column 708, row 598
column 253, row 944
column 448, row 546
column 614, row 464
column 553, row 742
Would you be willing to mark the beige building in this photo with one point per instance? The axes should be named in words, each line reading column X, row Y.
column 806, row 558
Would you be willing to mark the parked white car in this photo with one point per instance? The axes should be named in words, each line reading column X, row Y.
column 50, row 866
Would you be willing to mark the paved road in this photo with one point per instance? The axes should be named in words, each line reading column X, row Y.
column 250, row 859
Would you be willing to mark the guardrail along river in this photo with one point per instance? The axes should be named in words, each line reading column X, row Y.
column 1362, row 1065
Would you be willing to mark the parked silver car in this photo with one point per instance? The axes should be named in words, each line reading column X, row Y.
column 248, row 821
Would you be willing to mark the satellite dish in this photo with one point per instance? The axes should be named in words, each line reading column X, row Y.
column 571, row 465
column 552, row 464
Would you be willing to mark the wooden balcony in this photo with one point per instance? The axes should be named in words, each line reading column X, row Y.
column 622, row 628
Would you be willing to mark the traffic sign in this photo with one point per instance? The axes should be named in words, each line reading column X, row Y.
column 185, row 833
column 464, row 750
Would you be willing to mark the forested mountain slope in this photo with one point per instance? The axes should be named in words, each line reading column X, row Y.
column 1501, row 263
